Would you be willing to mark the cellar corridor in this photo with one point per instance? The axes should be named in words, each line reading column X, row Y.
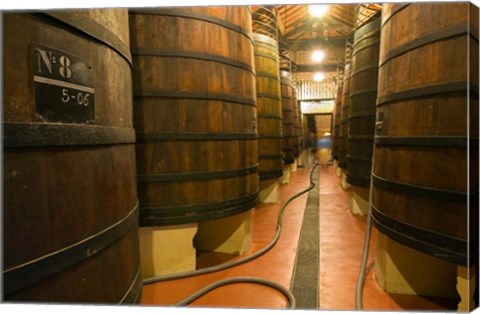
column 152, row 153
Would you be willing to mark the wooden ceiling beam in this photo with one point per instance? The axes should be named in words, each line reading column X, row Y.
column 307, row 44
column 317, row 67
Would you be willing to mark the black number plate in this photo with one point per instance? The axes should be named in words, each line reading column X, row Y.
column 63, row 86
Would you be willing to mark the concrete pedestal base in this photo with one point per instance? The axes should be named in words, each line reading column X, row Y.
column 359, row 200
column 167, row 250
column 339, row 171
column 231, row 235
column 303, row 160
column 343, row 180
column 293, row 167
column 466, row 288
column 269, row 191
column 287, row 172
column 402, row 270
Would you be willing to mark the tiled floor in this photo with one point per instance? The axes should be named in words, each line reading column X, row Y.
column 341, row 245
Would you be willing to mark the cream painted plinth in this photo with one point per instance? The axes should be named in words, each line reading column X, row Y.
column 167, row 249
column 293, row 166
column 343, row 180
column 466, row 288
column 269, row 191
column 402, row 270
column 287, row 173
column 359, row 203
column 231, row 235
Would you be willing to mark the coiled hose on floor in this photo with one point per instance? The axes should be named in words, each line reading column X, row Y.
column 208, row 270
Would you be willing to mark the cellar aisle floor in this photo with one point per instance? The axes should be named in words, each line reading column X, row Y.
column 341, row 245
column 342, row 237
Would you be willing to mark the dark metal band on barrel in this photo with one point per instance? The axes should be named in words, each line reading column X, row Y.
column 262, row 44
column 424, row 91
column 182, row 136
column 360, row 137
column 195, row 95
column 361, row 114
column 177, row 53
column 94, row 30
column 363, row 182
column 270, row 136
column 364, row 160
column 172, row 215
column 449, row 32
column 365, row 68
column 197, row 176
column 427, row 141
column 360, row 47
column 363, row 92
column 262, row 39
column 268, row 175
column 396, row 8
column 265, row 55
column 26, row 274
column 423, row 191
column 269, row 116
column 195, row 16
column 134, row 292
column 267, row 95
column 368, row 30
column 448, row 248
column 51, row 134
column 268, row 75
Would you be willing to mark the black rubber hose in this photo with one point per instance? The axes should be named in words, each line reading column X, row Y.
column 233, row 280
column 366, row 248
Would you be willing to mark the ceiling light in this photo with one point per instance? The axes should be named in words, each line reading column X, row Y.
column 318, row 10
column 319, row 76
column 318, row 55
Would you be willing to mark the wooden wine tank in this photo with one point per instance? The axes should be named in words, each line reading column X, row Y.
column 336, row 122
column 345, row 110
column 297, row 124
column 287, row 112
column 363, row 95
column 269, row 107
column 425, row 171
column 70, row 201
column 194, row 113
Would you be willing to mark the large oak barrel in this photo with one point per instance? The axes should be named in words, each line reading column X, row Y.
column 297, row 124
column 70, row 196
column 336, row 121
column 425, row 171
column 363, row 95
column 345, row 110
column 269, row 107
column 194, row 113
column 287, row 122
